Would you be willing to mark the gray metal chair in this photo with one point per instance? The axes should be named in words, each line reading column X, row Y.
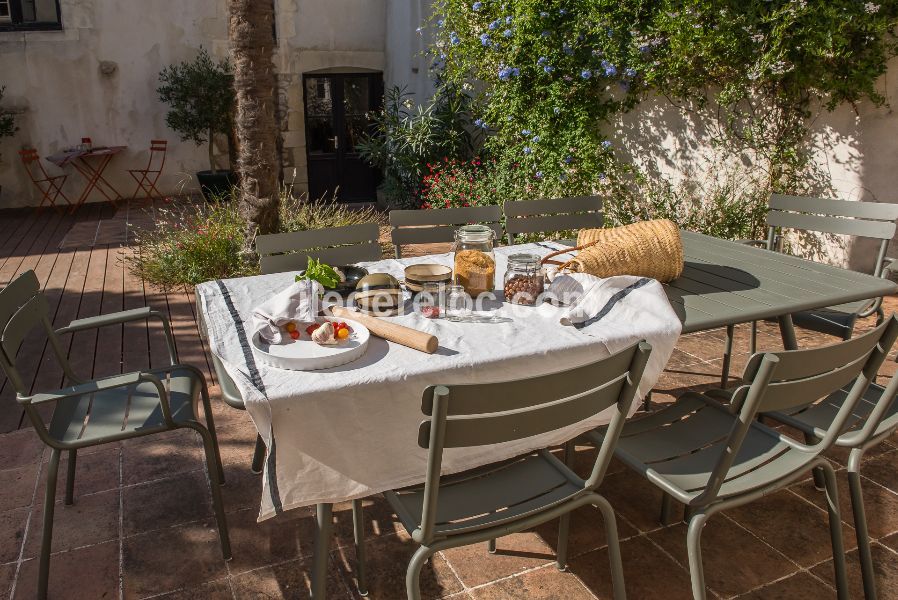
column 711, row 456
column 552, row 214
column 90, row 413
column 438, row 225
column 872, row 420
column 859, row 219
column 515, row 495
column 280, row 252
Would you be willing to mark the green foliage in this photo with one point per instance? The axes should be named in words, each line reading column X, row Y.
column 405, row 137
column 550, row 79
column 191, row 243
column 320, row 272
column 7, row 120
column 201, row 95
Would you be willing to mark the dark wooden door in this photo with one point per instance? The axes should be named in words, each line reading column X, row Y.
column 337, row 109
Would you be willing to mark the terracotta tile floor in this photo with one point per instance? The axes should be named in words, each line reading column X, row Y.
column 141, row 526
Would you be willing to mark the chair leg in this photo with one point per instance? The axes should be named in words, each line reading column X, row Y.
column 727, row 356
column 753, row 338
column 667, row 507
column 564, row 526
column 213, row 465
column 491, row 546
column 835, row 531
column 258, row 455
column 787, row 331
column 694, row 549
column 210, row 425
column 413, row 574
column 70, row 478
column 619, row 589
column 358, row 532
column 47, row 534
column 324, row 528
column 860, row 524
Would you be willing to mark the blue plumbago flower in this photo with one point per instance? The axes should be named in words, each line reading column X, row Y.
column 441, row 22
column 610, row 70
column 494, row 25
column 566, row 48
column 562, row 12
column 527, row 150
column 478, row 122
column 568, row 159
column 539, row 174
column 542, row 60
column 453, row 39
column 630, row 72
column 485, row 39
column 602, row 177
column 563, row 177
column 546, row 33
column 557, row 110
column 508, row 118
column 585, row 73
column 477, row 5
column 535, row 139
column 606, row 144
column 610, row 33
column 548, row 68
column 509, row 19
column 526, row 132
column 505, row 73
column 508, row 33
column 645, row 48
column 544, row 14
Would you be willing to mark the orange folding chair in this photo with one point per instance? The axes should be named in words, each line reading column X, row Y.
column 146, row 178
column 50, row 187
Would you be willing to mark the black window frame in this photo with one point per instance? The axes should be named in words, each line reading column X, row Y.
column 16, row 24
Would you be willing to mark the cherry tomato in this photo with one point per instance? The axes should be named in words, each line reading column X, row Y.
column 311, row 328
column 294, row 334
column 342, row 333
column 290, row 327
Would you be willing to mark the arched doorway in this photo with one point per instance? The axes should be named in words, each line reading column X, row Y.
column 337, row 114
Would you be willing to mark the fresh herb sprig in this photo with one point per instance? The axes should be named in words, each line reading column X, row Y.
column 324, row 274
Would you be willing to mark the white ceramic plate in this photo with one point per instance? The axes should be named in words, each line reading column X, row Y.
column 305, row 355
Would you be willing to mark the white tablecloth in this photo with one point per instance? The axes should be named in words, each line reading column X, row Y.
column 351, row 431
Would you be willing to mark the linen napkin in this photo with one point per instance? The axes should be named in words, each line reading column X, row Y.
column 299, row 302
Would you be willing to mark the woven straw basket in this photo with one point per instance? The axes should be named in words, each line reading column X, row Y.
column 646, row 249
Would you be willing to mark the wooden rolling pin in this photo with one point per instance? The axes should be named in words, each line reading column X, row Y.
column 393, row 332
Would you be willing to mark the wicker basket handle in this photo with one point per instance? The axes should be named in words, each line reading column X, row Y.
column 546, row 261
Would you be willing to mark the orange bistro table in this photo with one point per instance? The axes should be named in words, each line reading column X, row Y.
column 91, row 164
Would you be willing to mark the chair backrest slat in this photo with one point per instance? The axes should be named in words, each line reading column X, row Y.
column 552, row 214
column 433, row 226
column 786, row 395
column 880, row 230
column 497, row 428
column 874, row 211
column 31, row 315
column 334, row 245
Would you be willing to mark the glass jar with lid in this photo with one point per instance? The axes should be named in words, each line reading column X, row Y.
column 524, row 279
column 475, row 260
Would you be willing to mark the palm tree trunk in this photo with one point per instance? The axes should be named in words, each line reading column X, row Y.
column 250, row 29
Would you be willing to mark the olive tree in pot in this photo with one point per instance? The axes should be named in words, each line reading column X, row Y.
column 7, row 122
column 201, row 96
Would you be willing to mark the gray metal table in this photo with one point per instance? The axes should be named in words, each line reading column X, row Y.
column 724, row 283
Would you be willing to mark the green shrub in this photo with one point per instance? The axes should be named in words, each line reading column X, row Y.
column 191, row 243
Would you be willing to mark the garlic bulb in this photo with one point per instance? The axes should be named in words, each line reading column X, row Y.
column 324, row 335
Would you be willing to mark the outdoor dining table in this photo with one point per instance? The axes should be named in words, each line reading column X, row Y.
column 91, row 163
column 723, row 283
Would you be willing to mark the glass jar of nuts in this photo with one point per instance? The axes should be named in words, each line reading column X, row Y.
column 523, row 279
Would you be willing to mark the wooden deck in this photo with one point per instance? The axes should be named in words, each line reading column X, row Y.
column 78, row 261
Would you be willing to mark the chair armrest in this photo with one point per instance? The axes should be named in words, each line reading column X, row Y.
column 125, row 316
column 889, row 266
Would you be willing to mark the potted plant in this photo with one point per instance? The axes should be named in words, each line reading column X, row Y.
column 7, row 122
column 201, row 96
